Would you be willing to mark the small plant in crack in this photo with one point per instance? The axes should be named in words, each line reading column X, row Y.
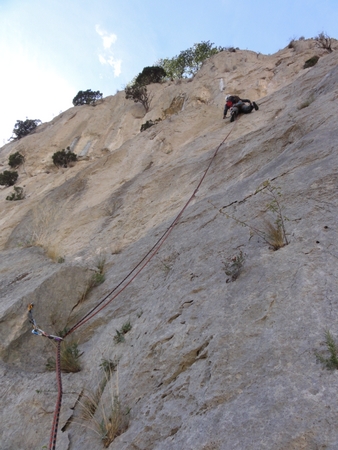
column 70, row 358
column 272, row 232
column 233, row 266
column 99, row 276
column 275, row 232
column 330, row 362
column 119, row 336
column 108, row 366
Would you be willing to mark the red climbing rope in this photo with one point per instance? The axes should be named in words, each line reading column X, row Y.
column 55, row 425
column 110, row 297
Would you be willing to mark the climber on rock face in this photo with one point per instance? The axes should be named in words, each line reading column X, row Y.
column 237, row 105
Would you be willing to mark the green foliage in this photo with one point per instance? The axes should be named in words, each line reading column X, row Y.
column 189, row 61
column 330, row 362
column 87, row 97
column 69, row 358
column 8, row 178
column 324, row 41
column 139, row 94
column 63, row 157
column 15, row 160
column 233, row 266
column 98, row 278
column 126, row 327
column 108, row 366
column 152, row 74
column 100, row 263
column 119, row 337
column 311, row 62
column 292, row 43
column 24, row 127
column 149, row 123
column 18, row 194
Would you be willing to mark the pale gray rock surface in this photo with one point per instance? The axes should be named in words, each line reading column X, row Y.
column 208, row 364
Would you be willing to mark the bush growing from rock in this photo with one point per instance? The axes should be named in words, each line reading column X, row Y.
column 8, row 178
column 153, row 74
column 18, row 194
column 311, row 62
column 15, row 160
column 139, row 94
column 149, row 123
column 63, row 157
column 189, row 61
column 324, row 41
column 22, row 128
column 87, row 97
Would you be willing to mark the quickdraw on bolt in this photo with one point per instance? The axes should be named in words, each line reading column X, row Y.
column 37, row 331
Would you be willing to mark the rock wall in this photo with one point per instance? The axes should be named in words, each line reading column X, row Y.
column 210, row 362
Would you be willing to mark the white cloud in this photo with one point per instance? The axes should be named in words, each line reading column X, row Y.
column 112, row 62
column 108, row 39
column 107, row 56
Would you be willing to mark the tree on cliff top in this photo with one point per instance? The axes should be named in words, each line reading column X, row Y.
column 24, row 127
column 87, row 97
column 189, row 61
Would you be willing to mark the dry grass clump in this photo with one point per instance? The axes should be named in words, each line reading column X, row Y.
column 54, row 253
column 273, row 235
column 102, row 411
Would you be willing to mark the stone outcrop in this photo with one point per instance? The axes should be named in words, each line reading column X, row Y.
column 210, row 363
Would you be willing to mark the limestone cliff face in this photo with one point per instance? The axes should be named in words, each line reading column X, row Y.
column 209, row 363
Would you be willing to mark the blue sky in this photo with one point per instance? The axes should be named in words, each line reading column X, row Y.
column 52, row 49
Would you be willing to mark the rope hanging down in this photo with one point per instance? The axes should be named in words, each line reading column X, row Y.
column 146, row 259
column 109, row 298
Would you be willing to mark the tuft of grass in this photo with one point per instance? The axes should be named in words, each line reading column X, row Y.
column 330, row 362
column 100, row 263
column 53, row 253
column 274, row 235
column 97, row 279
column 113, row 423
column 233, row 266
column 69, row 358
column 126, row 327
column 119, row 337
column 108, row 366
column 103, row 413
